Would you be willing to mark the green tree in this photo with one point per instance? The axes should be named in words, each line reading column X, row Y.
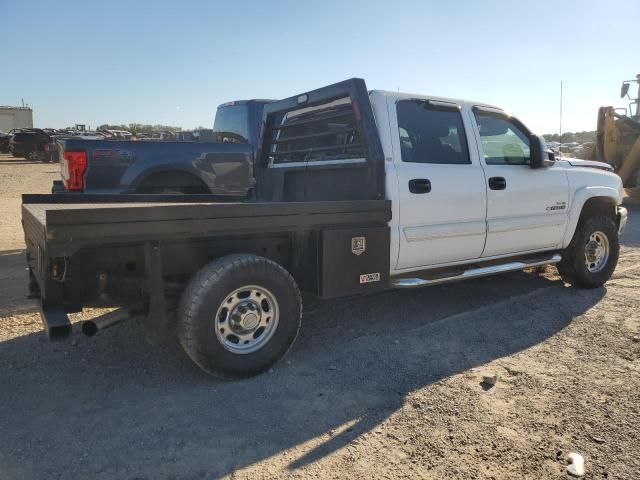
column 140, row 128
column 569, row 137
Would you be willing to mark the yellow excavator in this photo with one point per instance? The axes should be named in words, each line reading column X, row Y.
column 618, row 139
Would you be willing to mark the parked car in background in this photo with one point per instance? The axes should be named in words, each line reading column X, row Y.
column 49, row 151
column 27, row 142
column 162, row 165
column 4, row 142
column 115, row 134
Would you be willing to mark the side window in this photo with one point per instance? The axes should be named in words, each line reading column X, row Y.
column 503, row 142
column 431, row 134
column 326, row 132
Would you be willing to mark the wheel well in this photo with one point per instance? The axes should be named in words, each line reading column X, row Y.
column 599, row 206
column 181, row 181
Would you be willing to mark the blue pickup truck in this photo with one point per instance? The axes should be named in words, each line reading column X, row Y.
column 223, row 168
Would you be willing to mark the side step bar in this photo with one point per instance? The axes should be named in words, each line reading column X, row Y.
column 475, row 272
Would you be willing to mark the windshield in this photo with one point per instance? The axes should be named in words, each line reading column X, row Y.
column 232, row 124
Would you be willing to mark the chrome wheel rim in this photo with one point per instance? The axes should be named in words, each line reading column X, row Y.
column 596, row 252
column 247, row 319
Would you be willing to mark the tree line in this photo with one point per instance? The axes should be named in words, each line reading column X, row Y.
column 569, row 137
column 140, row 128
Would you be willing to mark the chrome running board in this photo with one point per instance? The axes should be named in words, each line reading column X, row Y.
column 475, row 272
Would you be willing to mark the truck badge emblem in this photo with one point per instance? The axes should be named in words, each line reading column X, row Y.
column 358, row 245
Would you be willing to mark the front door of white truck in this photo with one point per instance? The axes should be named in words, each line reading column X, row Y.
column 526, row 208
column 441, row 184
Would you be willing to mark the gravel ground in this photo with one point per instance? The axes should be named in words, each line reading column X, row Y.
column 380, row 387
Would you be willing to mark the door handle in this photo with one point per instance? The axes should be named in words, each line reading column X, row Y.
column 419, row 185
column 497, row 183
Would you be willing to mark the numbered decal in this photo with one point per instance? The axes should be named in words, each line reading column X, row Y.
column 370, row 277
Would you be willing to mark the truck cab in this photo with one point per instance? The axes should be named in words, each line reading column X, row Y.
column 463, row 189
column 467, row 182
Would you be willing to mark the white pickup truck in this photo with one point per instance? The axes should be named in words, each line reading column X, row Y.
column 464, row 190
column 346, row 192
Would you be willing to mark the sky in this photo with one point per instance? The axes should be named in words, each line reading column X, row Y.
column 173, row 62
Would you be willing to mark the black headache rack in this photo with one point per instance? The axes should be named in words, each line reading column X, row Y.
column 128, row 250
column 321, row 145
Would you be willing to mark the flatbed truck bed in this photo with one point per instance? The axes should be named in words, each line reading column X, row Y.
column 64, row 228
column 138, row 252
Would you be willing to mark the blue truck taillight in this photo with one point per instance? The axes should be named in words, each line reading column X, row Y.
column 74, row 166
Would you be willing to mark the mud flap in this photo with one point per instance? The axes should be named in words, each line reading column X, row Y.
column 155, row 322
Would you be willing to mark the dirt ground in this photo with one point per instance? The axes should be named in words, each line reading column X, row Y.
column 380, row 387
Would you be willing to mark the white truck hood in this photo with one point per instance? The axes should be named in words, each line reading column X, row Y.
column 575, row 162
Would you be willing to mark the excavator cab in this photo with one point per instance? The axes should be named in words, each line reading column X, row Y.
column 618, row 139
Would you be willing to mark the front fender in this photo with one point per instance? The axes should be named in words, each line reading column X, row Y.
column 581, row 196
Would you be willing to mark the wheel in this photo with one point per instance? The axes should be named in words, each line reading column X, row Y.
column 592, row 255
column 239, row 315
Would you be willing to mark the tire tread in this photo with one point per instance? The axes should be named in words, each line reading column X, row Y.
column 199, row 286
column 571, row 267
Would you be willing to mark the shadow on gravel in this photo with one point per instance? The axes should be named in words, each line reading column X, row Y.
column 631, row 235
column 113, row 406
column 13, row 282
column 18, row 161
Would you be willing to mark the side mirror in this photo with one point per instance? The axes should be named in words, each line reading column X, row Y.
column 540, row 155
column 624, row 89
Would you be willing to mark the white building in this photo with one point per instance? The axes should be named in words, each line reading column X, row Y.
column 15, row 117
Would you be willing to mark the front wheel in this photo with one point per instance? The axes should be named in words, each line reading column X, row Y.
column 239, row 315
column 592, row 255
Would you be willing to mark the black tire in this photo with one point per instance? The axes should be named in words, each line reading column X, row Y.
column 573, row 268
column 207, row 293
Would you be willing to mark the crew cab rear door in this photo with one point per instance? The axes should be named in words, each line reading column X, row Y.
column 321, row 145
column 441, row 184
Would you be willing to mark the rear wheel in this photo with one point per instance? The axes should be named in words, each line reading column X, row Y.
column 592, row 255
column 239, row 315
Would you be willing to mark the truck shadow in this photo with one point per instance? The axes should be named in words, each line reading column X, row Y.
column 631, row 235
column 113, row 406
column 13, row 279
column 19, row 161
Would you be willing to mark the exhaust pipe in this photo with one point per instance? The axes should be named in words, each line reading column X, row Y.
column 93, row 326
